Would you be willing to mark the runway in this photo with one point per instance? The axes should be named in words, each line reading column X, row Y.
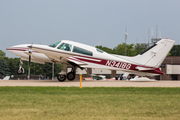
column 93, row 83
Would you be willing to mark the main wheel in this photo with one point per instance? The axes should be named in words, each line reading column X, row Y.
column 71, row 76
column 61, row 78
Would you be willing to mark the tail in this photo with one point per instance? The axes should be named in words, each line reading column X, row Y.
column 155, row 55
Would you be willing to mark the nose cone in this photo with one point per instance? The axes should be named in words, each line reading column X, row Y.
column 18, row 48
column 10, row 49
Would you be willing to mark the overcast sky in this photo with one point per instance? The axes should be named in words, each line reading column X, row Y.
column 86, row 21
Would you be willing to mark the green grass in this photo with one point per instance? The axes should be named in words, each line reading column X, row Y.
column 45, row 103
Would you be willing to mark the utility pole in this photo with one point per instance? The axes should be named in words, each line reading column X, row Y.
column 29, row 67
column 125, row 39
column 53, row 71
column 148, row 36
column 156, row 31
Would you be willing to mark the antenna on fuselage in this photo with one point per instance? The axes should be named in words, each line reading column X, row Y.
column 97, row 43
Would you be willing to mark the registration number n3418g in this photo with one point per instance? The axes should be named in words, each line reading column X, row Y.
column 122, row 65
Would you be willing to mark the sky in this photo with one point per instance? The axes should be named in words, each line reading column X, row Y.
column 91, row 22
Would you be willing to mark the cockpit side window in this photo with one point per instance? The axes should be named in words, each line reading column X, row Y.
column 65, row 46
column 82, row 51
column 54, row 44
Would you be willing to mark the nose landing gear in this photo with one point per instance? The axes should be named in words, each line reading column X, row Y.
column 21, row 69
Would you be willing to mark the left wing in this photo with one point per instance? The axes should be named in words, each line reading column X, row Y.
column 76, row 61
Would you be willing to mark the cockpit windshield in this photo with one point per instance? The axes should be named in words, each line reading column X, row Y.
column 54, row 44
column 65, row 46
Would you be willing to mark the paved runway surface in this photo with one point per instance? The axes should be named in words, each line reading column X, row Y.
column 93, row 83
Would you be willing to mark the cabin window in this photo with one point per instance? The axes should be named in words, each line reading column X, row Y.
column 54, row 44
column 82, row 51
column 99, row 50
column 65, row 46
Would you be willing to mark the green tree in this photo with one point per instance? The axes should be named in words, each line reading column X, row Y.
column 38, row 69
column 2, row 53
column 4, row 69
column 106, row 49
column 47, row 69
column 131, row 49
column 57, row 69
column 139, row 48
column 12, row 66
column 175, row 51
column 120, row 49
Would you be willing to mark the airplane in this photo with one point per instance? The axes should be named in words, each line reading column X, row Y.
column 83, row 56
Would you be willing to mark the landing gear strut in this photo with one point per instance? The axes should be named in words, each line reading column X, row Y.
column 21, row 69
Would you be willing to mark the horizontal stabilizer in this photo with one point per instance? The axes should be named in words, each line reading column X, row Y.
column 142, row 68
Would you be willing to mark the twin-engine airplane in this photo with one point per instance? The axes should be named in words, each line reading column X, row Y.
column 84, row 56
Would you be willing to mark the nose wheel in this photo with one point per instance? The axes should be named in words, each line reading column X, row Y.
column 21, row 69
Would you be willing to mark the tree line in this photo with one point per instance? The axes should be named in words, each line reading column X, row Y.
column 135, row 49
column 9, row 66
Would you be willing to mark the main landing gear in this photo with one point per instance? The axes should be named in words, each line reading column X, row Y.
column 63, row 74
column 61, row 78
column 71, row 76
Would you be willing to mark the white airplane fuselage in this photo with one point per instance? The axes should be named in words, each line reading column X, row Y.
column 85, row 56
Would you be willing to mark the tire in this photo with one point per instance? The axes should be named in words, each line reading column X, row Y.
column 20, row 71
column 71, row 76
column 61, row 78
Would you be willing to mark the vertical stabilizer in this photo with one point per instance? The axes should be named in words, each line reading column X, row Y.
column 155, row 55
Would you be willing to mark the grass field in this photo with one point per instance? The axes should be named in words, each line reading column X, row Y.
column 41, row 103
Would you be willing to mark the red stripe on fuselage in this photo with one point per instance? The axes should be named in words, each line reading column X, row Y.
column 120, row 65
column 19, row 49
